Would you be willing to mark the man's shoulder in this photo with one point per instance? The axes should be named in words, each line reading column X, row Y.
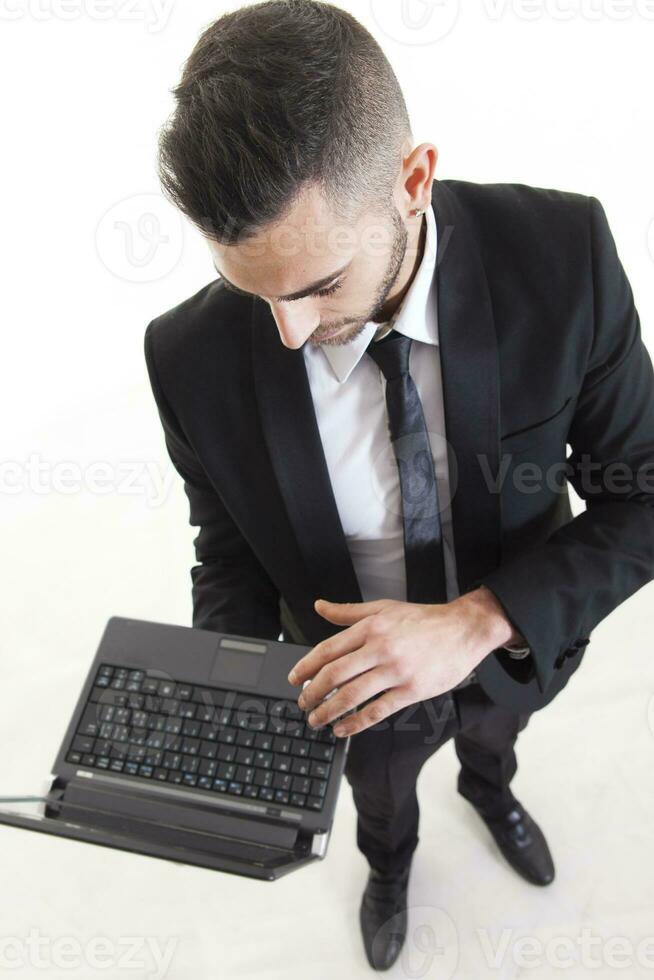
column 518, row 213
column 516, row 198
column 200, row 320
column 526, row 228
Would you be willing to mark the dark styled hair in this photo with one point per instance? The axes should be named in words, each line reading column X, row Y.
column 273, row 97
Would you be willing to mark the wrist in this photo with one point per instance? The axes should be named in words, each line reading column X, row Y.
column 492, row 624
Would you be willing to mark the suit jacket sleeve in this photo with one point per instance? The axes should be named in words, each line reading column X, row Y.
column 557, row 592
column 231, row 591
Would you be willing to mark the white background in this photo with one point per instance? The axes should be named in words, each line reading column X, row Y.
column 549, row 94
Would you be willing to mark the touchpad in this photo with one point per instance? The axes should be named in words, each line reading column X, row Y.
column 238, row 663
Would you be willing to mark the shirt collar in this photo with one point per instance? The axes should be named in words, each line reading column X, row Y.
column 416, row 317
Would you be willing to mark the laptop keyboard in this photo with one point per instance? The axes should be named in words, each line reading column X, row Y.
column 208, row 738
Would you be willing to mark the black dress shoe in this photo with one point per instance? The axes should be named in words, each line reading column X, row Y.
column 383, row 917
column 523, row 844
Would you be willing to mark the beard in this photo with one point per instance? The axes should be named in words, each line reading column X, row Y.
column 359, row 324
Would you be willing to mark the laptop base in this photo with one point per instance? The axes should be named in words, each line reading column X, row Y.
column 60, row 817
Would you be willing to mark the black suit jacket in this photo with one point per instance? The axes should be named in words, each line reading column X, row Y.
column 540, row 348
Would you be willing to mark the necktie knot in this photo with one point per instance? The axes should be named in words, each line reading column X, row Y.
column 391, row 354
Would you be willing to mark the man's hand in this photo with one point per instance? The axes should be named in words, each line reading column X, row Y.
column 410, row 651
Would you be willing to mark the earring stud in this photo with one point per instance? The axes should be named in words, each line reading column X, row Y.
column 417, row 213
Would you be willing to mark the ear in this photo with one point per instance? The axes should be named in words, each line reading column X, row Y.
column 418, row 175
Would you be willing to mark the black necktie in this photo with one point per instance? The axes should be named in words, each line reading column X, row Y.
column 423, row 546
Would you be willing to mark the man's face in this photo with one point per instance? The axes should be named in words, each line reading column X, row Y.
column 323, row 281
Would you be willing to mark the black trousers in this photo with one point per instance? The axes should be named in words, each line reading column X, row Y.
column 384, row 761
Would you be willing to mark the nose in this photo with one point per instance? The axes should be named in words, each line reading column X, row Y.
column 295, row 323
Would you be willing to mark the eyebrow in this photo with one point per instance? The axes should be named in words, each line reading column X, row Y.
column 300, row 294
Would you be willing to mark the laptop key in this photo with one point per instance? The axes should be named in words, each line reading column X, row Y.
column 263, row 777
column 245, row 756
column 301, row 784
column 282, row 780
column 244, row 774
column 300, row 766
column 209, row 750
column 83, row 744
column 90, row 722
column 314, row 803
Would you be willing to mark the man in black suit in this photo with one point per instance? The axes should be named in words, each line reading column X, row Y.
column 291, row 151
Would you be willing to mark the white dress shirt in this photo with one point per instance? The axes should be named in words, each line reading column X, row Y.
column 348, row 391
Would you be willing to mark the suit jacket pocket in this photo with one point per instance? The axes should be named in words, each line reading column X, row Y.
column 553, row 425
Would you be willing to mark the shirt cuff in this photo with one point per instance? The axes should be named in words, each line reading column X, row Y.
column 517, row 652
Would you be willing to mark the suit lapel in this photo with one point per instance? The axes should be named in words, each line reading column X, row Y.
column 293, row 439
column 468, row 351
column 470, row 373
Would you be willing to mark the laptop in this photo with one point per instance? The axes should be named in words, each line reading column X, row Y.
column 189, row 745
